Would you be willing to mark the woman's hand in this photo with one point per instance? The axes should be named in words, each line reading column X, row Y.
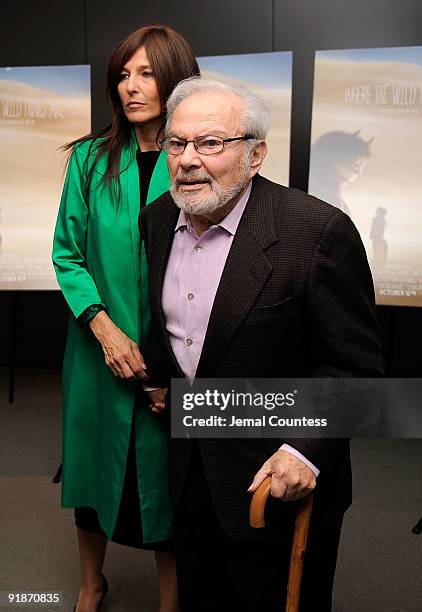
column 158, row 399
column 120, row 352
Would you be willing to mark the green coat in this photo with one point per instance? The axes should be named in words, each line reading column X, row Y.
column 98, row 260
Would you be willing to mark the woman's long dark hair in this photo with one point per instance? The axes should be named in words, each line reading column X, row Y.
column 171, row 59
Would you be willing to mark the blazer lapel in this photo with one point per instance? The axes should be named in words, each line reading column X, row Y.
column 163, row 248
column 245, row 273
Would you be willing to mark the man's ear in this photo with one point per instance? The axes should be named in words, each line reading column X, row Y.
column 257, row 157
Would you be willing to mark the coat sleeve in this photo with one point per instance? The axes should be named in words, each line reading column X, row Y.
column 342, row 329
column 69, row 244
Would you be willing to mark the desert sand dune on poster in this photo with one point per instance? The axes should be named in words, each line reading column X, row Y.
column 34, row 124
column 269, row 75
column 278, row 102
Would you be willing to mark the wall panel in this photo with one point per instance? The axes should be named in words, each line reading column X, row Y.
column 214, row 28
column 305, row 27
column 42, row 33
column 38, row 33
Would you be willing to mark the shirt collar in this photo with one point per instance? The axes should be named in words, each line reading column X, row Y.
column 230, row 222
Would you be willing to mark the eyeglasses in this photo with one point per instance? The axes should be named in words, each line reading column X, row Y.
column 206, row 145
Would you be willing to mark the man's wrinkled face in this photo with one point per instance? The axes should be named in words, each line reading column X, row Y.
column 201, row 183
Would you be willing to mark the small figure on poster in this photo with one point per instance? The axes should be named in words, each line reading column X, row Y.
column 379, row 243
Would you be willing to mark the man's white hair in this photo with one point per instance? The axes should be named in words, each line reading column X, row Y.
column 254, row 119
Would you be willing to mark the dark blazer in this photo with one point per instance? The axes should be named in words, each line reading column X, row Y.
column 295, row 300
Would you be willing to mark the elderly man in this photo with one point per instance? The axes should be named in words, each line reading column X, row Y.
column 250, row 279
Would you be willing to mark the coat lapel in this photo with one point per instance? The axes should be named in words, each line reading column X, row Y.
column 245, row 273
column 129, row 180
column 159, row 184
column 160, row 180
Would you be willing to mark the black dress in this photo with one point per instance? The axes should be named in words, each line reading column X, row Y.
column 128, row 529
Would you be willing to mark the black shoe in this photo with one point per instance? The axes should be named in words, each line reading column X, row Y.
column 104, row 592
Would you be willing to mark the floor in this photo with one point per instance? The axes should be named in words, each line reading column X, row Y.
column 380, row 561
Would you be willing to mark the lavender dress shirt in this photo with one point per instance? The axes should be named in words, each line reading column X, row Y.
column 192, row 277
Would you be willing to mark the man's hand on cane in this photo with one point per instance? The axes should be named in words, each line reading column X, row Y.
column 291, row 477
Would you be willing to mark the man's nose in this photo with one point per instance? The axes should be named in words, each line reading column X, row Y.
column 190, row 157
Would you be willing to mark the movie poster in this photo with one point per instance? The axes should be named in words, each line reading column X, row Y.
column 270, row 76
column 41, row 109
column 366, row 158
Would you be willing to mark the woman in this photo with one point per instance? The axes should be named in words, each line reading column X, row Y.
column 114, row 448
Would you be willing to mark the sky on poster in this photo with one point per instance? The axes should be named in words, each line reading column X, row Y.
column 271, row 70
column 63, row 80
column 410, row 55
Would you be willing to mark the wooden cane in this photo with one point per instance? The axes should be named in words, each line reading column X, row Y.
column 300, row 534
